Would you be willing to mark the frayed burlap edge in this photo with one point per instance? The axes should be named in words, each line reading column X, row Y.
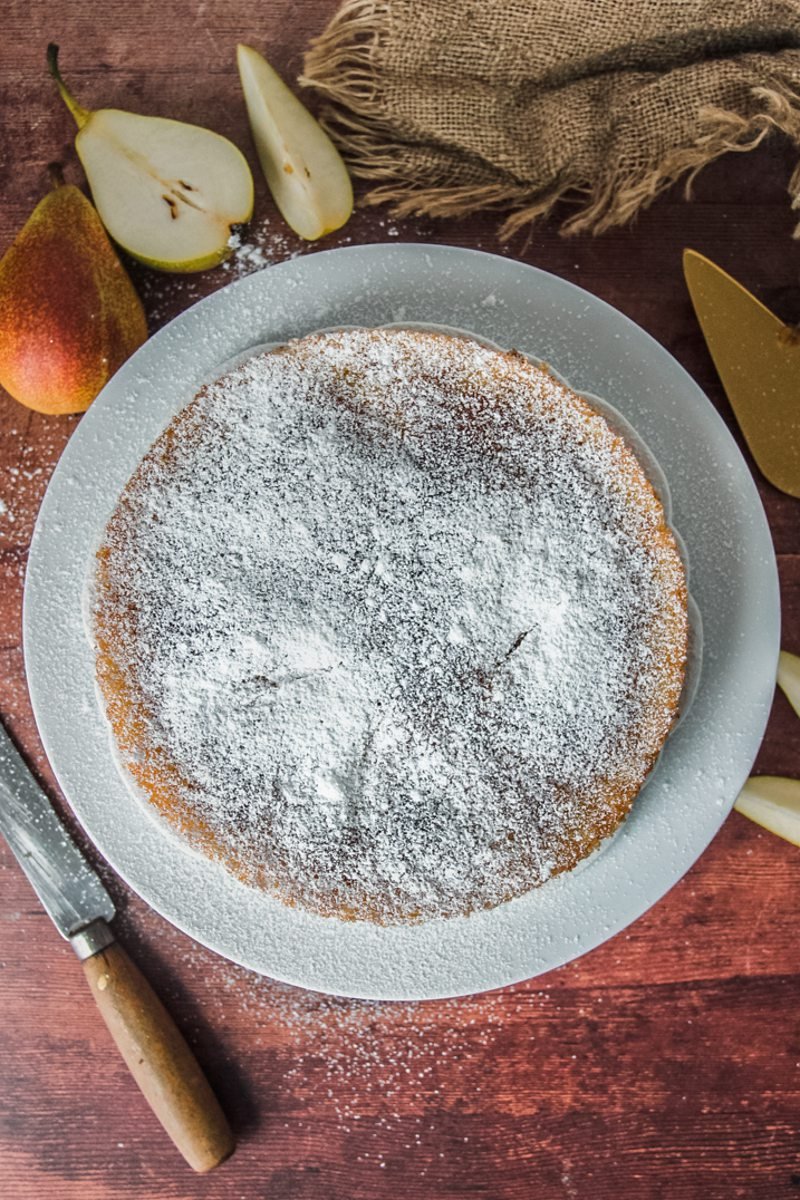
column 340, row 64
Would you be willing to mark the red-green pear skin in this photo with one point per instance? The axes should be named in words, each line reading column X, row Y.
column 69, row 314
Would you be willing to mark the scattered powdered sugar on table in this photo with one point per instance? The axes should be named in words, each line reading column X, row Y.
column 32, row 449
column 363, row 1054
column 166, row 295
column 397, row 620
column 261, row 249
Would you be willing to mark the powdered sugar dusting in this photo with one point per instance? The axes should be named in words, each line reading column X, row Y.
column 398, row 620
column 260, row 250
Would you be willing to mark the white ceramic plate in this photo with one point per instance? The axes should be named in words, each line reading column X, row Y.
column 715, row 508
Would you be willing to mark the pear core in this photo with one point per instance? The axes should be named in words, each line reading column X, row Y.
column 167, row 192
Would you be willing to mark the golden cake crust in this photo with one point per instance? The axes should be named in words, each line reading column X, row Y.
column 470, row 403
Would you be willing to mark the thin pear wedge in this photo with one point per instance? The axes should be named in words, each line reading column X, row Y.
column 774, row 803
column 304, row 170
column 789, row 678
column 167, row 192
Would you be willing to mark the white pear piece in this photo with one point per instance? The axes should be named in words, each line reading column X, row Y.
column 789, row 678
column 167, row 192
column 774, row 803
column 303, row 168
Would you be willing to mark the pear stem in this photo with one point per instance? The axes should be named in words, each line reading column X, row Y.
column 55, row 173
column 80, row 114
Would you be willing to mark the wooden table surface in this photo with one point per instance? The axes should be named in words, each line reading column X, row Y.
column 663, row 1064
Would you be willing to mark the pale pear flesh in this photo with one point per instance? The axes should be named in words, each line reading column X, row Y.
column 774, row 803
column 166, row 191
column 304, row 170
column 789, row 678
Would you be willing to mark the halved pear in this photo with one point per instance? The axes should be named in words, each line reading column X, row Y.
column 167, row 192
column 303, row 168
column 789, row 678
column 774, row 803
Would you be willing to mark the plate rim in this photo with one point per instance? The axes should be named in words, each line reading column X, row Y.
column 107, row 399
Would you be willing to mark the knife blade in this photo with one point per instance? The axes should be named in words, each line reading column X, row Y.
column 155, row 1051
column 757, row 358
column 69, row 889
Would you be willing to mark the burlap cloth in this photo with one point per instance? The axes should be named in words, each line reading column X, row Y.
column 449, row 107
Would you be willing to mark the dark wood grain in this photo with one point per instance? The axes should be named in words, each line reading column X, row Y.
column 662, row 1065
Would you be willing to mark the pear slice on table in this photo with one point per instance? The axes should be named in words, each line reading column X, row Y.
column 304, row 170
column 789, row 678
column 774, row 803
column 167, row 192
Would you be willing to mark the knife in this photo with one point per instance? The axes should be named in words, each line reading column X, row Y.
column 80, row 907
column 757, row 358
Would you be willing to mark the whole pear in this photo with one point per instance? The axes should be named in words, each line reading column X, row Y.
column 69, row 315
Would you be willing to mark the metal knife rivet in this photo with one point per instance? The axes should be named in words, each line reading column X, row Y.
column 102, row 983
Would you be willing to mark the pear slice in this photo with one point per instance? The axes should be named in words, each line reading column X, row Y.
column 303, row 168
column 774, row 803
column 789, row 678
column 167, row 192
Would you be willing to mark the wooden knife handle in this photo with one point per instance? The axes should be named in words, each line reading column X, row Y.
column 159, row 1059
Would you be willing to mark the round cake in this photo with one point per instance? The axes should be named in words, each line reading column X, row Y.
column 390, row 623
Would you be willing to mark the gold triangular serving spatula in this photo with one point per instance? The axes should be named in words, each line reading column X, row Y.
column 758, row 360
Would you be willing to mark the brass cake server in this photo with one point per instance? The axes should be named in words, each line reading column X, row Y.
column 757, row 358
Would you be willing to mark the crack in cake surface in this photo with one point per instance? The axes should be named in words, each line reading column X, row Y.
column 392, row 623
